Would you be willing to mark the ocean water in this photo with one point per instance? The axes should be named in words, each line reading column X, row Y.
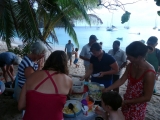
column 107, row 37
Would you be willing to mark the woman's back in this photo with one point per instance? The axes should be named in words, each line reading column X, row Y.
column 46, row 95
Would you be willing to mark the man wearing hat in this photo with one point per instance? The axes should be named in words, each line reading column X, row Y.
column 86, row 54
column 7, row 60
column 154, row 57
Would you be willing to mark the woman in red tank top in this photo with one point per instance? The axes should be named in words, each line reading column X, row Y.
column 140, row 75
column 44, row 94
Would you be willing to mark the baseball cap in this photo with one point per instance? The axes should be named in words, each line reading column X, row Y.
column 152, row 40
column 93, row 37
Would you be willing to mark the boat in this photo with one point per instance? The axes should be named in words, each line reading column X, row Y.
column 112, row 27
column 155, row 27
column 127, row 26
column 120, row 38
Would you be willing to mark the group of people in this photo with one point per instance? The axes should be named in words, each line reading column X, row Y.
column 141, row 72
column 41, row 87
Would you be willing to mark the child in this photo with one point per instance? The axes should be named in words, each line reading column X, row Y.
column 76, row 57
column 111, row 102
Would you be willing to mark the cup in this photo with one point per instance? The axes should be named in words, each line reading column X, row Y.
column 85, row 110
column 84, row 102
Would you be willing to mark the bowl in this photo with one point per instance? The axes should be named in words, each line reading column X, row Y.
column 77, row 104
column 93, row 86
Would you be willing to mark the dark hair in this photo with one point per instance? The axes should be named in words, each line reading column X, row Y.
column 113, row 99
column 117, row 42
column 100, row 43
column 76, row 49
column 136, row 49
column 93, row 37
column 57, row 61
column 96, row 47
column 152, row 40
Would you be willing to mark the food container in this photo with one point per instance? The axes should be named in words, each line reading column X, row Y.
column 93, row 86
column 89, row 101
column 78, row 97
column 78, row 86
column 78, row 106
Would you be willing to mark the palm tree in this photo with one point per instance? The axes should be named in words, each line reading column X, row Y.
column 21, row 18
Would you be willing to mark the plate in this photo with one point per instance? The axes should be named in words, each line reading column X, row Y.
column 77, row 104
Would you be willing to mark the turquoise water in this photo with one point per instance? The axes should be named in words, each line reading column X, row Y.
column 106, row 37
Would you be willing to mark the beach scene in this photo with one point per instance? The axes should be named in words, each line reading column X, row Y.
column 140, row 27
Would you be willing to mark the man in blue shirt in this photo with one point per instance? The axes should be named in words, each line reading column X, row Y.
column 69, row 48
column 7, row 60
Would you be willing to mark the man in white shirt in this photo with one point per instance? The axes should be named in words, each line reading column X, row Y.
column 69, row 48
column 120, row 56
column 86, row 54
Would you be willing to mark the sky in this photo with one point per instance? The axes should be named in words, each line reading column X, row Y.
column 143, row 13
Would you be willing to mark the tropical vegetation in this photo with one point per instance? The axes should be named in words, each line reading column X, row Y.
column 22, row 18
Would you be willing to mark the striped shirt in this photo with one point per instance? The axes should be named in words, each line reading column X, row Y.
column 26, row 62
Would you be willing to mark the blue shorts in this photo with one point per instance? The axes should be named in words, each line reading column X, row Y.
column 75, row 61
column 106, row 83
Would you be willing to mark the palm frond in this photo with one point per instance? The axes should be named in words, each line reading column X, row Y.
column 6, row 22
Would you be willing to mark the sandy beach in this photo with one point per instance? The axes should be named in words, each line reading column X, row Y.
column 9, row 111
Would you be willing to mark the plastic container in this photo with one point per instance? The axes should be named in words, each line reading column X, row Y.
column 85, row 110
column 93, row 86
column 78, row 97
column 78, row 86
column 90, row 104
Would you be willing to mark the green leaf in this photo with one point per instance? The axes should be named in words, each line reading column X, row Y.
column 158, row 12
column 125, row 17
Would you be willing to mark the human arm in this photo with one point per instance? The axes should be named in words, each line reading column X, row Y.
column 101, row 113
column 83, row 54
column 22, row 99
column 65, row 48
column 114, row 69
column 147, row 90
column 84, row 58
column 28, row 71
column 118, row 82
column 89, row 72
column 71, row 84
column 9, row 68
column 124, row 60
column 40, row 63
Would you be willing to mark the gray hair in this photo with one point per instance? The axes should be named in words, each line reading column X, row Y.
column 17, row 60
column 38, row 48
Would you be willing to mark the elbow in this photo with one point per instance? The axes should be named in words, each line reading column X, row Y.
column 19, row 107
column 80, row 57
column 148, row 99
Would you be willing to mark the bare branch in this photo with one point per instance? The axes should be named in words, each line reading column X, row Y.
column 117, row 3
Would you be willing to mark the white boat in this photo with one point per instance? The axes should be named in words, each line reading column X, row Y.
column 112, row 27
column 154, row 28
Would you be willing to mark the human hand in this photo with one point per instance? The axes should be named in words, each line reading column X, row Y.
column 82, row 78
column 105, row 90
column 157, row 75
column 98, row 111
column 101, row 74
column 124, row 102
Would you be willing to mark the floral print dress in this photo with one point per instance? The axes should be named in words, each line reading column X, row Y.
column 134, row 90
